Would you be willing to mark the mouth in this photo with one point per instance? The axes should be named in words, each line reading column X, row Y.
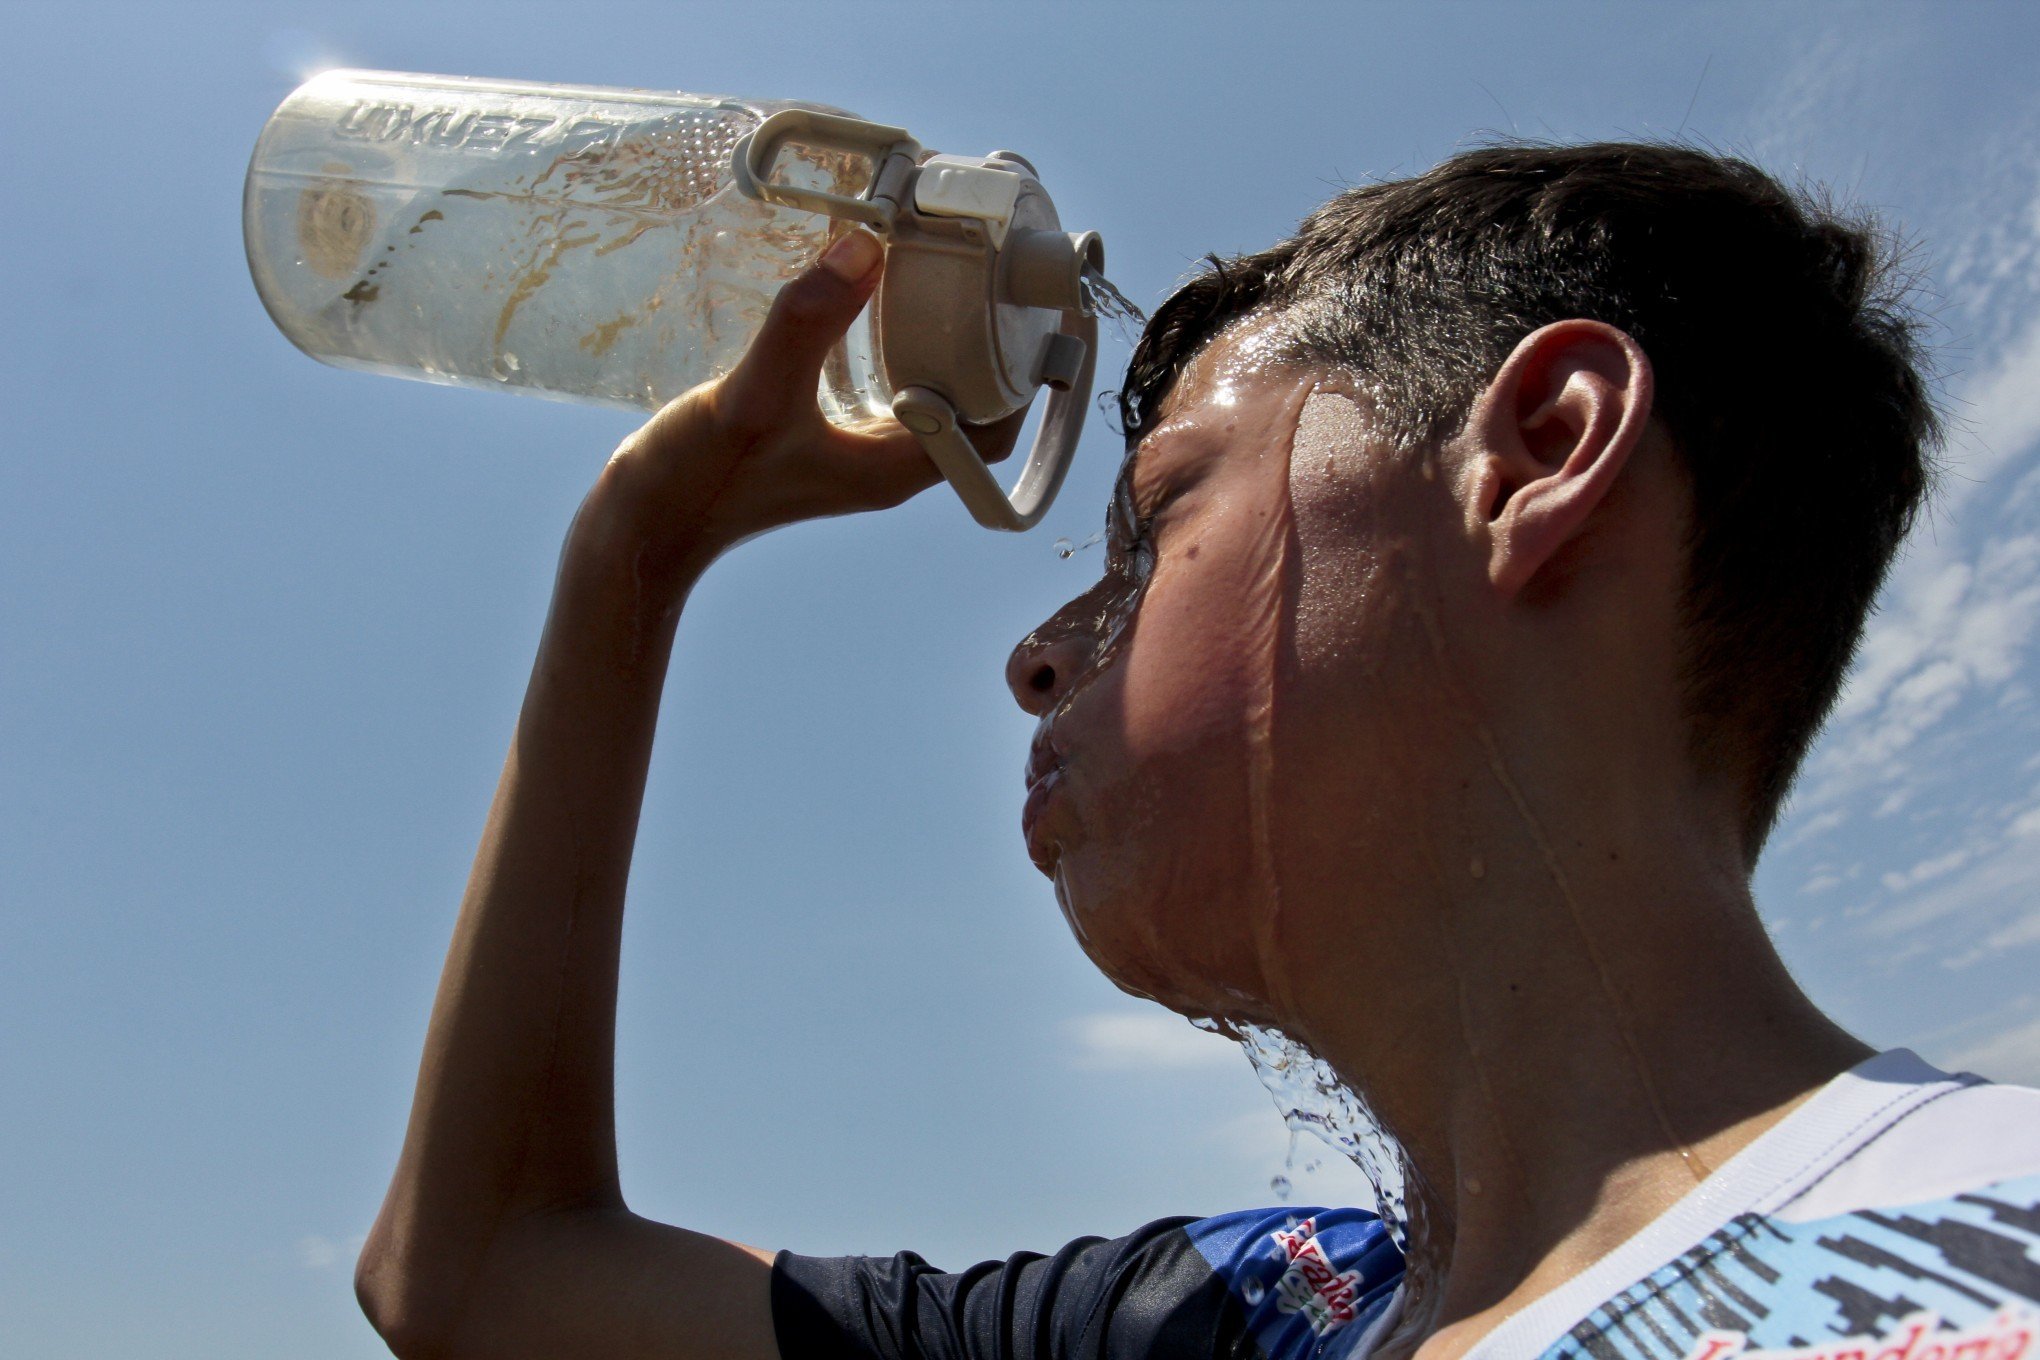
column 1044, row 777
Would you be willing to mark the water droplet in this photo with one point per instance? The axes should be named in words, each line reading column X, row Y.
column 1310, row 1167
column 1108, row 410
column 505, row 367
column 1066, row 549
column 1280, row 1185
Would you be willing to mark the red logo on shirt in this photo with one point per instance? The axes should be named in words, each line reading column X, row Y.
column 1329, row 1298
column 2008, row 1336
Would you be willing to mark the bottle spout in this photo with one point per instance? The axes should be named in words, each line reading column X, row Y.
column 1047, row 268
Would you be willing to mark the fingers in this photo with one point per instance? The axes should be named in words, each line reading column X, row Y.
column 994, row 441
column 886, row 462
column 778, row 374
column 891, row 466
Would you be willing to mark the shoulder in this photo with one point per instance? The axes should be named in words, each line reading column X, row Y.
column 1895, row 1216
column 1927, row 1225
column 1282, row 1283
column 1303, row 1277
column 1949, row 1278
column 1971, row 1133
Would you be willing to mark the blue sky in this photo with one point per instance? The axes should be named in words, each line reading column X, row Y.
column 266, row 625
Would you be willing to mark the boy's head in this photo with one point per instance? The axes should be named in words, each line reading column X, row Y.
column 1787, row 377
column 1562, row 304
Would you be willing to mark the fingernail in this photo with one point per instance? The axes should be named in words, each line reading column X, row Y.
column 853, row 256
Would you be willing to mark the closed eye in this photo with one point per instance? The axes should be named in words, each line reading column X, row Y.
column 1130, row 543
column 1129, row 533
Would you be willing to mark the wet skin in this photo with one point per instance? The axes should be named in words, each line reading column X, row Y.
column 1179, row 786
column 1386, row 748
column 1152, row 689
column 1383, row 749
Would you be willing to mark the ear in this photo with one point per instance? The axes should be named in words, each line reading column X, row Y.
column 1552, row 431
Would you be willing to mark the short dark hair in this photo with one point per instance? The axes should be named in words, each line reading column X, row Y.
column 1790, row 377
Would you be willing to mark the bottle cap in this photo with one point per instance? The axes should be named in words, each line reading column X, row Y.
column 982, row 303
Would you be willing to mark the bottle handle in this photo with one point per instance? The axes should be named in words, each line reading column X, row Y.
column 932, row 420
column 751, row 166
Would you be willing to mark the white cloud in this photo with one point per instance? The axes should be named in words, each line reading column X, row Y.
column 1903, row 633
column 1961, row 611
column 1121, row 1041
column 2017, row 935
column 323, row 1253
column 2001, row 411
column 1808, row 828
column 1915, row 835
column 1998, row 883
column 1948, row 629
column 1826, row 75
column 1259, row 1137
column 1262, row 1146
column 2012, row 1054
column 1926, row 870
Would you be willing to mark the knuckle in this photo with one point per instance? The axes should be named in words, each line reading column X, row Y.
column 742, row 415
column 669, row 425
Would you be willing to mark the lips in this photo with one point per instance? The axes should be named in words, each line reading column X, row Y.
column 1041, row 756
column 1044, row 776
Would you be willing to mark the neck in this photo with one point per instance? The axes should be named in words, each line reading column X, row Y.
column 1557, row 1075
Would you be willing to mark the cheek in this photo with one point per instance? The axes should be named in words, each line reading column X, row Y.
column 1164, row 884
column 1187, row 675
column 1172, row 891
column 1200, row 662
column 1161, row 778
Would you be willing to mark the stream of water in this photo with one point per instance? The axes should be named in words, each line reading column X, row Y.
column 1312, row 1099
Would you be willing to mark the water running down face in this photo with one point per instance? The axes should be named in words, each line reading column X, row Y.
column 1164, row 797
column 1173, row 694
column 1378, row 747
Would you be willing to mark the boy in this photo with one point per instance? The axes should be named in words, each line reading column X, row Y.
column 1486, row 558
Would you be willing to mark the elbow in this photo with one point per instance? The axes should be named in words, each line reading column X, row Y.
column 400, row 1301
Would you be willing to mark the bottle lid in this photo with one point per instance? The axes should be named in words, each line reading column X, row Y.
column 982, row 303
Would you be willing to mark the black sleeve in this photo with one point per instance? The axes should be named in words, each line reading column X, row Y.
column 1147, row 1296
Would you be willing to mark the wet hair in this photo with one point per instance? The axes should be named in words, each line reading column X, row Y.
column 1789, row 370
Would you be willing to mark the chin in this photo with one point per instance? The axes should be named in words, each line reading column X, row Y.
column 1180, row 955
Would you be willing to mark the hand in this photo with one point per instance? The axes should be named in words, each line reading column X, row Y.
column 752, row 451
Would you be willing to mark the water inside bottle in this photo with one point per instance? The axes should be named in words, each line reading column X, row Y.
column 625, row 269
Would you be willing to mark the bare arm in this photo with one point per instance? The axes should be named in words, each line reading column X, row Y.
column 505, row 1232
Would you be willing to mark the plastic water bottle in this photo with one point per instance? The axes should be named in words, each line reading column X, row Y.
column 623, row 246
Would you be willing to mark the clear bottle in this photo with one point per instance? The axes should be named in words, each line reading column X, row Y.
column 622, row 246
column 579, row 243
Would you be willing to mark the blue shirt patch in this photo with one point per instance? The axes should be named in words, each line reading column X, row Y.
column 1311, row 1281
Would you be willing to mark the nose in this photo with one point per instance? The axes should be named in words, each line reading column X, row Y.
column 1045, row 664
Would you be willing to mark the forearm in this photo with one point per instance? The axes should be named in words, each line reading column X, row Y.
column 514, row 1108
column 504, row 1233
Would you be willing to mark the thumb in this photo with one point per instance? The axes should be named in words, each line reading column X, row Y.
column 783, row 365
